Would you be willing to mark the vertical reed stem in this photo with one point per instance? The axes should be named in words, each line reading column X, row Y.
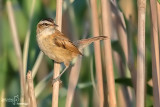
column 158, row 12
column 57, row 66
column 140, row 89
column 107, row 31
column 155, row 54
column 97, row 51
column 73, row 79
column 17, row 48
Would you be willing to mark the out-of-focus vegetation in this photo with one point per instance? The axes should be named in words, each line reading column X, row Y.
column 76, row 15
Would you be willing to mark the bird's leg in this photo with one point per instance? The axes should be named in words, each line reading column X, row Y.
column 57, row 78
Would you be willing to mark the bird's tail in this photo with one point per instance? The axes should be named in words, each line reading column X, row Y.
column 80, row 44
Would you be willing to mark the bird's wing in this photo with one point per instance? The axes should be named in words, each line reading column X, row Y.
column 61, row 41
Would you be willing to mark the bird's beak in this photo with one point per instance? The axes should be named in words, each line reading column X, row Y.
column 55, row 25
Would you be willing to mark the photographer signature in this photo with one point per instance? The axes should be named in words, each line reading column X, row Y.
column 15, row 100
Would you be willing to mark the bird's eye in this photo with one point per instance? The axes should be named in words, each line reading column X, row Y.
column 45, row 24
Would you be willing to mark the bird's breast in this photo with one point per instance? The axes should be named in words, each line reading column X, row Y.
column 54, row 52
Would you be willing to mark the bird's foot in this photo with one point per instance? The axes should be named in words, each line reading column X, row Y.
column 55, row 80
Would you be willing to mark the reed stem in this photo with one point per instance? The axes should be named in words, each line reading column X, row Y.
column 56, row 72
column 140, row 88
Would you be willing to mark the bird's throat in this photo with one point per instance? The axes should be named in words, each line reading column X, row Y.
column 47, row 31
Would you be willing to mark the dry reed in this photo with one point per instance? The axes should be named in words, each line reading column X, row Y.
column 158, row 13
column 27, row 38
column 155, row 54
column 2, row 96
column 56, row 72
column 97, row 51
column 107, row 31
column 140, row 88
column 123, row 91
column 17, row 49
column 31, row 92
column 74, row 73
column 37, row 64
column 73, row 79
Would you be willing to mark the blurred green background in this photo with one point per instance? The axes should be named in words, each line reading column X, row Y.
column 76, row 15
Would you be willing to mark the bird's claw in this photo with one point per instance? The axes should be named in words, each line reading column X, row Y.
column 55, row 80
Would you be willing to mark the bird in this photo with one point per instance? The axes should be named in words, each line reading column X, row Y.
column 59, row 47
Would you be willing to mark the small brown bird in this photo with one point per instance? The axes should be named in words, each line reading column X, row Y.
column 57, row 46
